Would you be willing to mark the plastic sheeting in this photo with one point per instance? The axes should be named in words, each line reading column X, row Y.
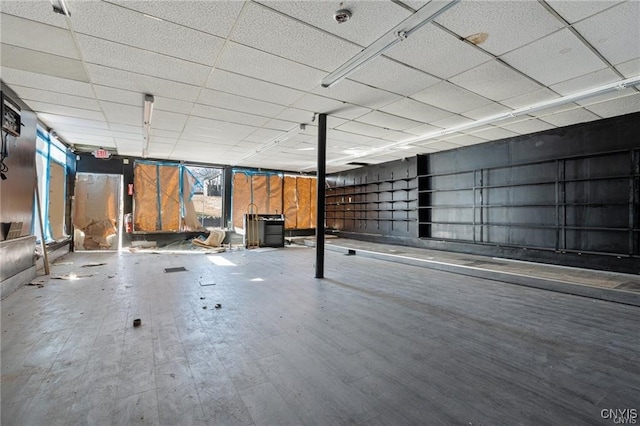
column 96, row 208
column 274, row 194
column 163, row 198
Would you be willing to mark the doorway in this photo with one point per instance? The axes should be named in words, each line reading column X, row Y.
column 97, row 212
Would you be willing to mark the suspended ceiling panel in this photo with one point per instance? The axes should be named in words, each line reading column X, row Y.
column 231, row 77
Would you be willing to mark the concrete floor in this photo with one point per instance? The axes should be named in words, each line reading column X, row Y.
column 374, row 343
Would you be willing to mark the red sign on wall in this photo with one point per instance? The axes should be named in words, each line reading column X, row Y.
column 101, row 153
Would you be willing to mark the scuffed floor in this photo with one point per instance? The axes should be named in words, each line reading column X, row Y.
column 374, row 343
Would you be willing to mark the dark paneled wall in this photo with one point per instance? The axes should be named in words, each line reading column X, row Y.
column 17, row 191
column 568, row 196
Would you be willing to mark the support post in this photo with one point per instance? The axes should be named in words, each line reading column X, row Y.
column 322, row 171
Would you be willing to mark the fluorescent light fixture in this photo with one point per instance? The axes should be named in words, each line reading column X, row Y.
column 148, row 112
column 273, row 142
column 60, row 6
column 402, row 31
column 540, row 106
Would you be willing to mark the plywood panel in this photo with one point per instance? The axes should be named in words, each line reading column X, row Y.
column 169, row 189
column 259, row 193
column 240, row 197
column 145, row 212
column 290, row 201
column 304, row 203
column 275, row 195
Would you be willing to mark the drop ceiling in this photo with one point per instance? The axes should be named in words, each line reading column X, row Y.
column 230, row 77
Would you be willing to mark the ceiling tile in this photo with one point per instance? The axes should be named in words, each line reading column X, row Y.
column 492, row 133
column 371, row 19
column 464, row 140
column 435, row 51
column 248, row 87
column 120, row 96
column 364, row 129
column 486, row 111
column 64, row 110
column 348, row 137
column 440, row 145
column 332, row 107
column 567, row 118
column 423, row 129
column 614, row 32
column 217, row 127
column 42, row 37
column 123, row 114
column 416, row 110
column 35, row 10
column 584, row 82
column 529, row 98
column 528, row 126
column 393, row 76
column 126, row 128
column 619, row 106
column 168, row 134
column 41, row 63
column 358, row 94
column 291, row 39
column 393, row 122
column 297, row 115
column 39, row 81
column 119, row 56
column 236, row 117
column 630, row 68
column 171, row 105
column 495, row 81
column 239, row 103
column 255, row 63
column 574, row 11
column 199, row 14
column 142, row 83
column 555, row 58
column 607, row 96
column 450, row 97
column 165, row 120
column 52, row 120
column 30, row 94
column 136, row 30
column 451, row 121
column 508, row 24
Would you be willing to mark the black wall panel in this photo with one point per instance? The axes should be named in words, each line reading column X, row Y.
column 567, row 196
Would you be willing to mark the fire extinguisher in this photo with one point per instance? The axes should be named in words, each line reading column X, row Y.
column 128, row 223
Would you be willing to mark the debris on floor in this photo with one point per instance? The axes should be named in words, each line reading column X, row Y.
column 90, row 265
column 218, row 305
column 71, row 276
column 176, row 269
column 40, row 285
column 215, row 238
column 204, row 307
column 137, row 322
column 206, row 285
column 62, row 263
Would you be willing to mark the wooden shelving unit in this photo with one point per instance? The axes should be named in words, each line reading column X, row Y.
column 362, row 204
